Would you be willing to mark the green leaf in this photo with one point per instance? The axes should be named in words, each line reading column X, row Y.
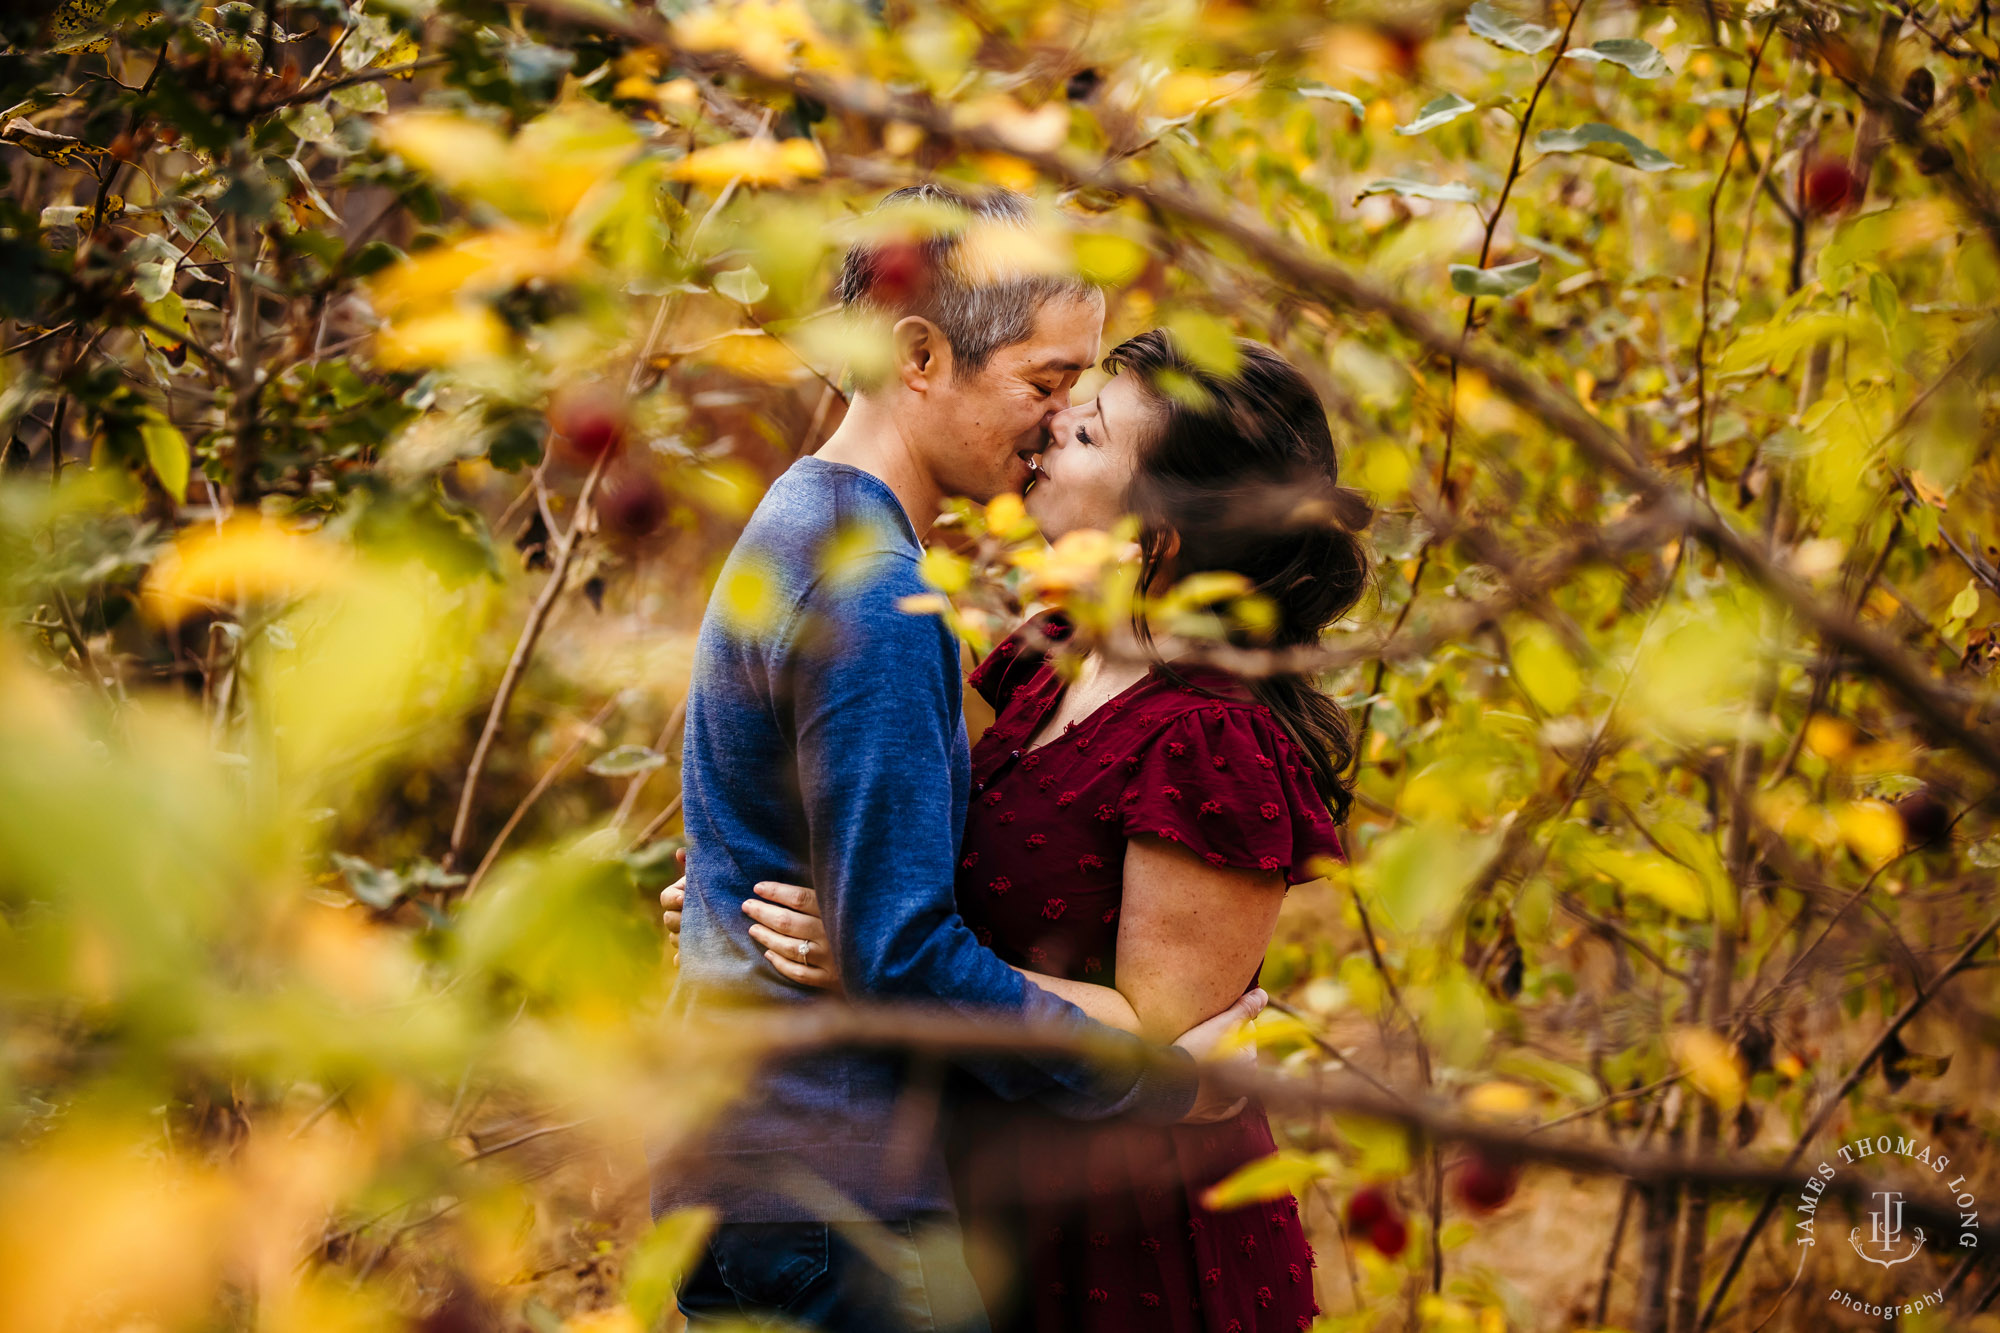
column 370, row 884
column 1640, row 57
column 310, row 121
column 1546, row 670
column 1418, row 873
column 371, row 258
column 660, row 1260
column 516, row 445
column 1966, row 605
column 1777, row 343
column 1503, row 29
column 625, row 761
column 1668, row 883
column 653, row 866
column 1441, row 111
column 1566, row 1080
column 167, row 451
column 1321, row 91
column 1505, row 280
column 1284, row 1172
column 425, row 873
column 362, row 97
column 742, row 285
column 1605, row 141
column 1384, row 1145
column 191, row 220
column 170, row 312
column 1206, row 341
column 1457, row 194
column 151, row 281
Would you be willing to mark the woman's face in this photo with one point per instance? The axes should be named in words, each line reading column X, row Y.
column 1092, row 454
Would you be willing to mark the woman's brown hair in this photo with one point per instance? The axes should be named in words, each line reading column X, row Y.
column 1242, row 476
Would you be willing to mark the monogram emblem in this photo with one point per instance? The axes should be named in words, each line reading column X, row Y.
column 1885, row 1232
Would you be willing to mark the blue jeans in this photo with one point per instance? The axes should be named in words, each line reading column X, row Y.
column 904, row 1276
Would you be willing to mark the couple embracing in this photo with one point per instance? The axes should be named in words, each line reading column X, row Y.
column 1110, row 856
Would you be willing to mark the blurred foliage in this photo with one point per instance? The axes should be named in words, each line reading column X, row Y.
column 383, row 382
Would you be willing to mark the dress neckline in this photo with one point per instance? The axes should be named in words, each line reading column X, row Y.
column 1062, row 690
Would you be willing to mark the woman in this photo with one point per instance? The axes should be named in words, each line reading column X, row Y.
column 1131, row 835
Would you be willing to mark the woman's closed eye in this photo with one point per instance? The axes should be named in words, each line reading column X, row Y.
column 1083, row 436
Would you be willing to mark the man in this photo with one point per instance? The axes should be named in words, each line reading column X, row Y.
column 826, row 745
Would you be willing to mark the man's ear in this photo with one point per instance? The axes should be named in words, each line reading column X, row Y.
column 923, row 353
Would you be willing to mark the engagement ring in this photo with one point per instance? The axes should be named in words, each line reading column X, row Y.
column 805, row 951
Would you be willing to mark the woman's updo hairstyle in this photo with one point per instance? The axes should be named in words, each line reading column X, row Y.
column 1242, row 470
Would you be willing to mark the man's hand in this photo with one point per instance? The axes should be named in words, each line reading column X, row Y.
column 1204, row 1039
column 672, row 899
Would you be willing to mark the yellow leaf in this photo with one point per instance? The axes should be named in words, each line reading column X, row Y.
column 727, row 486
column 1668, row 883
column 1107, row 259
column 748, row 598
column 1206, row 341
column 461, row 333
column 1042, row 130
column 751, row 162
column 1500, row 1100
column 1872, row 829
column 1187, row 91
column 946, row 571
column 900, row 138
column 1008, row 170
column 923, row 604
column 247, row 557
column 1966, row 605
column 615, row 1319
column 1283, row 1173
column 1829, row 737
column 1710, row 1064
column 488, row 263
column 167, row 451
column 1007, row 518
column 458, row 150
column 1546, row 670
column 849, row 554
column 753, row 354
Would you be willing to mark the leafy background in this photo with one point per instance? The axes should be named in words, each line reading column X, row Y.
column 382, row 383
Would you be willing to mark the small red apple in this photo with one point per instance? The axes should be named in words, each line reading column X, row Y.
column 1829, row 186
column 1925, row 818
column 1389, row 1235
column 588, row 421
column 1366, row 1207
column 898, row 274
column 1483, row 1183
column 630, row 502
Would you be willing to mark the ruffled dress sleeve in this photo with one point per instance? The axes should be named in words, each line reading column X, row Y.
column 1224, row 781
column 1017, row 659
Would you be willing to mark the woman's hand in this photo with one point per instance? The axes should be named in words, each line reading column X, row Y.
column 787, row 923
column 1205, row 1040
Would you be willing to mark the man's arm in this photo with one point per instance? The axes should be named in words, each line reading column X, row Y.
column 876, row 724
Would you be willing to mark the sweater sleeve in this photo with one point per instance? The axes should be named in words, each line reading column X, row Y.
column 1226, row 782
column 875, row 708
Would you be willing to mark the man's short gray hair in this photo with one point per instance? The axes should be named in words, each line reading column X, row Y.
column 978, row 312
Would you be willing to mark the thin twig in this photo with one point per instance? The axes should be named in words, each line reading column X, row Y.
column 542, row 784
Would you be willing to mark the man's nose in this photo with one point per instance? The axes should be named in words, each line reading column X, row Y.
column 1052, row 431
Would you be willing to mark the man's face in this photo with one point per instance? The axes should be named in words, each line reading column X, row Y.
column 986, row 425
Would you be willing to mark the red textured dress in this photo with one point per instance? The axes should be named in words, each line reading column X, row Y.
column 1099, row 1226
